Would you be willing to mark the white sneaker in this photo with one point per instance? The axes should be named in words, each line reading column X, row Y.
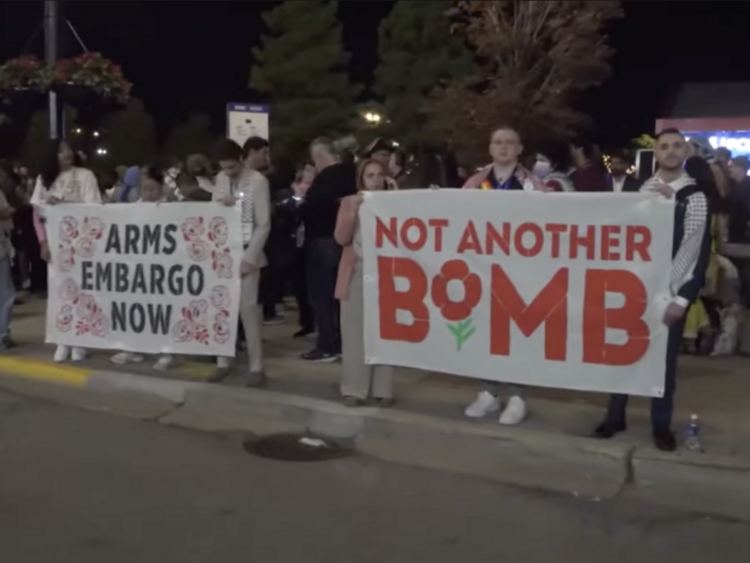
column 62, row 353
column 123, row 358
column 484, row 404
column 164, row 363
column 78, row 354
column 515, row 413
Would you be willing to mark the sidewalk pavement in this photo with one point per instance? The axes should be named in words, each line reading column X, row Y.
column 551, row 450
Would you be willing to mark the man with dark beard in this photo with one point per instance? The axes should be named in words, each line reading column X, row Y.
column 690, row 254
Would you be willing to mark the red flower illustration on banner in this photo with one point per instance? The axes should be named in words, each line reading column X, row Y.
column 99, row 325
column 68, row 228
column 86, row 307
column 222, row 330
column 82, row 327
column 458, row 312
column 220, row 297
column 68, row 291
column 201, row 334
column 93, row 228
column 218, row 231
column 192, row 326
column 193, row 228
column 197, row 312
column 198, row 250
column 182, row 331
column 222, row 263
column 64, row 320
column 86, row 248
column 66, row 256
column 454, row 311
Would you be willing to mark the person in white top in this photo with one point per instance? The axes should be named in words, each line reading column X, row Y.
column 238, row 184
column 62, row 179
column 152, row 191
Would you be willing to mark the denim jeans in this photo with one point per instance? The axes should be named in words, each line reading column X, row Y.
column 493, row 388
column 322, row 256
column 662, row 408
column 7, row 296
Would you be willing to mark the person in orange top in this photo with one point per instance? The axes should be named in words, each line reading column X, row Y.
column 359, row 381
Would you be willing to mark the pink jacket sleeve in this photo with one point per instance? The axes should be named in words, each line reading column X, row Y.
column 41, row 232
column 346, row 222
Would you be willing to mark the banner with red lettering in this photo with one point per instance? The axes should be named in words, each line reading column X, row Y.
column 560, row 290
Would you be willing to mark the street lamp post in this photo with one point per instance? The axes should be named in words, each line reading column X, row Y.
column 51, row 43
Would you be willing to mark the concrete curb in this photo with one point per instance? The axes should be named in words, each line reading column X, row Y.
column 512, row 456
column 700, row 483
column 173, row 391
column 708, row 484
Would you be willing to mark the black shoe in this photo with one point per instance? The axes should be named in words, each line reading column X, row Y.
column 318, row 356
column 607, row 430
column 665, row 441
column 301, row 333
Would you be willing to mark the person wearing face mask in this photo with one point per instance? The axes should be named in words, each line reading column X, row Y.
column 359, row 380
column 552, row 175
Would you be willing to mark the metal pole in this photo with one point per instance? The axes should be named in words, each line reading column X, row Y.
column 51, row 43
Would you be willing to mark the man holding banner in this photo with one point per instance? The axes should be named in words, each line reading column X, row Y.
column 505, row 173
column 690, row 253
column 238, row 184
column 564, row 290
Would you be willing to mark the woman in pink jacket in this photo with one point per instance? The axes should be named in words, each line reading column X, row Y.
column 359, row 381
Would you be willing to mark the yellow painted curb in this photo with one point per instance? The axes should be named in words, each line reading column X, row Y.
column 44, row 371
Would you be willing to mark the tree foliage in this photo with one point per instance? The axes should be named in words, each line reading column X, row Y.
column 417, row 53
column 536, row 59
column 37, row 135
column 301, row 68
column 192, row 136
column 130, row 135
column 644, row 141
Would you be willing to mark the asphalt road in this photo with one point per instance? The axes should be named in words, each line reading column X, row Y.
column 78, row 486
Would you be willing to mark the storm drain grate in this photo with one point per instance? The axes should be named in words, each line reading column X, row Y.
column 295, row 447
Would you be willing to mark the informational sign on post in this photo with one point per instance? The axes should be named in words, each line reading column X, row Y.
column 556, row 290
column 245, row 121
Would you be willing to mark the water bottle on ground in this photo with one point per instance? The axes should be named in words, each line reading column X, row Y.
column 693, row 434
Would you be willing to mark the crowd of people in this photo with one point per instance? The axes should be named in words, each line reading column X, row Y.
column 302, row 237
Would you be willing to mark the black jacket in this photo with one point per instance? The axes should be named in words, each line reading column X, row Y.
column 321, row 205
column 631, row 184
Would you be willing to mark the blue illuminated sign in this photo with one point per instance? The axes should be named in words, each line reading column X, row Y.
column 736, row 141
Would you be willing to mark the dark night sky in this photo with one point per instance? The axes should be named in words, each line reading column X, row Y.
column 195, row 56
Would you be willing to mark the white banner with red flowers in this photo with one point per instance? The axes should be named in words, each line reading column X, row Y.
column 561, row 290
column 145, row 277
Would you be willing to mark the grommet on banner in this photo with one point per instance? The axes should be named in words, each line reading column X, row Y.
column 367, row 278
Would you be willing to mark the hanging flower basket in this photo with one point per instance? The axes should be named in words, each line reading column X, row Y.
column 22, row 76
column 88, row 77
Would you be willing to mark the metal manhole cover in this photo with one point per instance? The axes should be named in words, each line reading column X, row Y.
column 295, row 447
